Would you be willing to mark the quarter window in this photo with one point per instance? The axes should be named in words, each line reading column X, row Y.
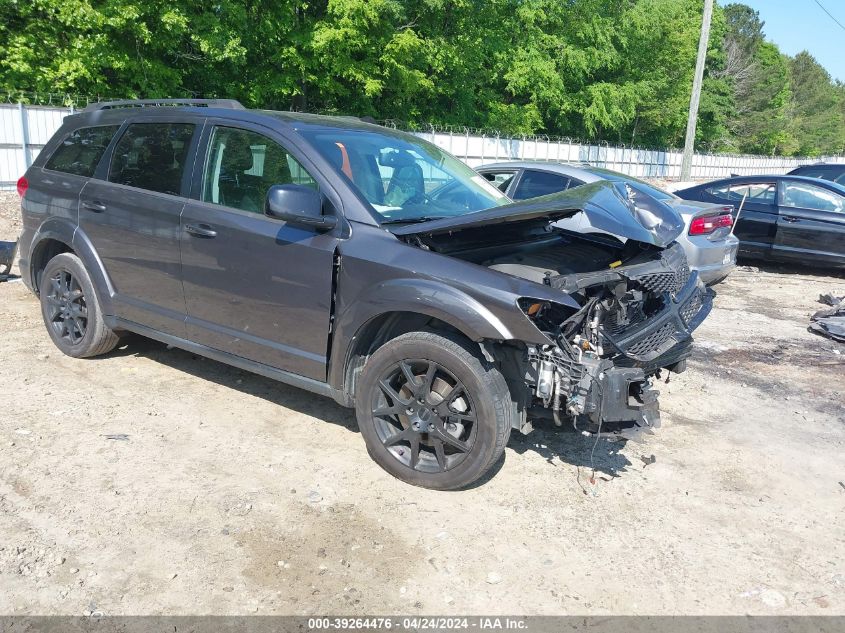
column 152, row 156
column 500, row 179
column 539, row 183
column 805, row 196
column 82, row 150
column 241, row 167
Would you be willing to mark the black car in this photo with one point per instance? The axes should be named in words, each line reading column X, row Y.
column 832, row 172
column 783, row 218
column 359, row 263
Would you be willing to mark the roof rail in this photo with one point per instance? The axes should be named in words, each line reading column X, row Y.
column 229, row 104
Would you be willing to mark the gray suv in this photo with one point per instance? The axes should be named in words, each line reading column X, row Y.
column 362, row 264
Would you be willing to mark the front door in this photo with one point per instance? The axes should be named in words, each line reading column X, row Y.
column 811, row 224
column 130, row 212
column 255, row 287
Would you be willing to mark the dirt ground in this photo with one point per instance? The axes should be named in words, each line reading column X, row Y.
column 153, row 481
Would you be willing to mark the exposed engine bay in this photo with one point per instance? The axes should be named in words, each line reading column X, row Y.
column 639, row 304
column 636, row 319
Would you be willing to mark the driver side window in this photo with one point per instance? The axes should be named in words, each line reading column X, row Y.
column 242, row 165
column 806, row 196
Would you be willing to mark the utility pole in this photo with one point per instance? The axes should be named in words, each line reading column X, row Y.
column 686, row 165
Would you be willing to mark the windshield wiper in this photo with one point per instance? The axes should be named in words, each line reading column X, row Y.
column 425, row 218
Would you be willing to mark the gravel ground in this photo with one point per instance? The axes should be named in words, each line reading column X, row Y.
column 10, row 216
column 153, row 481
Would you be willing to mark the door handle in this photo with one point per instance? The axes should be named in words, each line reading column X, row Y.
column 790, row 218
column 201, row 230
column 93, row 205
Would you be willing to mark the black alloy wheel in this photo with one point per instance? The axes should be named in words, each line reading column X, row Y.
column 67, row 310
column 432, row 411
column 71, row 309
column 424, row 416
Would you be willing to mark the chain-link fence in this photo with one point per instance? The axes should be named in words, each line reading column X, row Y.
column 26, row 125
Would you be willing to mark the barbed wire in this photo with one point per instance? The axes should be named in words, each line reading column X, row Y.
column 598, row 145
column 77, row 101
column 62, row 99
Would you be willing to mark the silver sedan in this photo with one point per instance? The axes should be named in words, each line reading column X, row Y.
column 708, row 240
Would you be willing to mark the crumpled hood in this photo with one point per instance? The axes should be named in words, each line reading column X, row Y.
column 614, row 207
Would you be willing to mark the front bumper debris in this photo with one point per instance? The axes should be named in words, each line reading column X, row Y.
column 595, row 393
column 682, row 313
column 604, row 384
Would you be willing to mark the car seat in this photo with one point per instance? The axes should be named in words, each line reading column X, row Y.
column 407, row 183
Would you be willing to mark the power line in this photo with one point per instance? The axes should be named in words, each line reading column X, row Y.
column 821, row 6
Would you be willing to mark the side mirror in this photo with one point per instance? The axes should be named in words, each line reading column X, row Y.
column 298, row 204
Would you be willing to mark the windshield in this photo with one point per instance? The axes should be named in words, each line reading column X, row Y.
column 405, row 179
column 654, row 192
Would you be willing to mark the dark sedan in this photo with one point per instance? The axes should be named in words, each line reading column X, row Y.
column 783, row 218
column 826, row 171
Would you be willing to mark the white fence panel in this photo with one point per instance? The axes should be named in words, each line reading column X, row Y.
column 24, row 130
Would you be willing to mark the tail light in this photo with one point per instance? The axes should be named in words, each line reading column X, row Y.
column 706, row 224
column 23, row 185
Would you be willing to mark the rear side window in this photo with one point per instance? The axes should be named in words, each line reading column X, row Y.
column 152, row 156
column 762, row 192
column 500, row 179
column 814, row 173
column 539, row 183
column 81, row 150
column 835, row 174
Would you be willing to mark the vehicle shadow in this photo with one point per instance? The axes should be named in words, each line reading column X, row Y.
column 780, row 268
column 246, row 382
column 569, row 446
column 554, row 444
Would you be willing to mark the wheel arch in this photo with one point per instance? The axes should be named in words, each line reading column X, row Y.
column 391, row 308
column 380, row 329
column 59, row 237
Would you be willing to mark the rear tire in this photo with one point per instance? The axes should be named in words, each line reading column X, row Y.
column 71, row 311
column 432, row 412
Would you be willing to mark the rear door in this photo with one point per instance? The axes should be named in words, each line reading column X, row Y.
column 130, row 212
column 811, row 224
column 255, row 286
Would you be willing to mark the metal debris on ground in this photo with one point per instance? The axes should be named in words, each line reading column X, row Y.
column 117, row 436
column 647, row 460
column 830, row 322
column 7, row 259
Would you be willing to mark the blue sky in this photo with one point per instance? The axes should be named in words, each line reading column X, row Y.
column 797, row 25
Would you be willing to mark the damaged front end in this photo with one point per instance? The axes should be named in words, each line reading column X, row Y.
column 635, row 321
column 638, row 300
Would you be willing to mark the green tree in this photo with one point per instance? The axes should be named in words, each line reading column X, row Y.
column 619, row 70
column 817, row 121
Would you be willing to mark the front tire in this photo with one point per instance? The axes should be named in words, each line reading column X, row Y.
column 71, row 312
column 432, row 413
